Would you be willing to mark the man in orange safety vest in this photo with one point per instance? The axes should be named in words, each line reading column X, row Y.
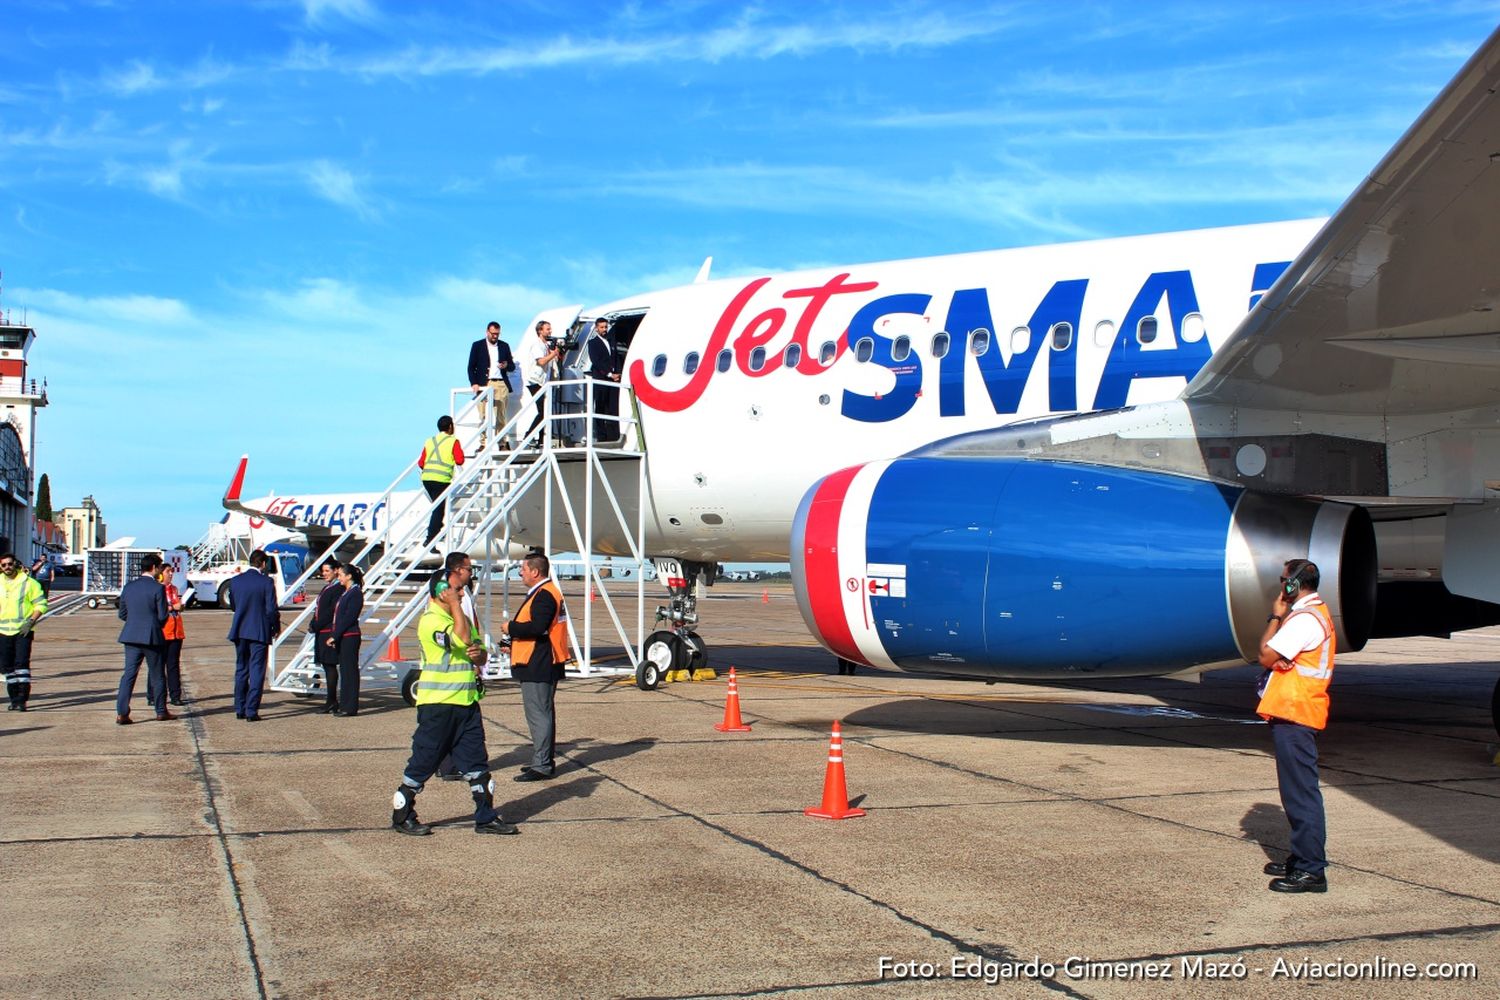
column 1297, row 652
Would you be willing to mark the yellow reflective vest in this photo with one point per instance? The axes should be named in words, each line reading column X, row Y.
column 447, row 678
column 20, row 598
column 437, row 463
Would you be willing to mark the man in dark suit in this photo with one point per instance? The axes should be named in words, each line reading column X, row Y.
column 490, row 364
column 603, row 369
column 143, row 609
column 256, row 622
column 539, row 648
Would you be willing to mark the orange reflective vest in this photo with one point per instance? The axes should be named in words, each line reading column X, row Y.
column 557, row 634
column 1300, row 692
column 173, row 628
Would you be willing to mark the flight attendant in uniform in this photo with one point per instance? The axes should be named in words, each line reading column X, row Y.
column 325, row 653
column 344, row 636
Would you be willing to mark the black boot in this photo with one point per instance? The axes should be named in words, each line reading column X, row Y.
column 486, row 816
column 14, row 691
column 25, row 687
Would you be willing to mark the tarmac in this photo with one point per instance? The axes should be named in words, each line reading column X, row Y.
column 1102, row 841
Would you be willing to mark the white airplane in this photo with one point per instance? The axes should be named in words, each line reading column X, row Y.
column 1092, row 459
column 314, row 519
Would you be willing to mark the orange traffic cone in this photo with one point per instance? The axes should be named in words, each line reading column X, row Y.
column 835, row 793
column 732, row 722
column 299, row 598
column 592, row 598
column 765, row 595
column 393, row 651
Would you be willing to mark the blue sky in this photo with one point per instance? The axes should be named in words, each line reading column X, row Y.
column 274, row 227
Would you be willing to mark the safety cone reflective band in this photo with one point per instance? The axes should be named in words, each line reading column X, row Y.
column 393, row 650
column 732, row 722
column 835, row 793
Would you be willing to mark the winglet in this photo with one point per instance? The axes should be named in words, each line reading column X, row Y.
column 708, row 262
column 233, row 493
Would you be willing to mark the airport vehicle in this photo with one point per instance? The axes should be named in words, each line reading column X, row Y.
column 107, row 570
column 740, row 575
column 1091, row 459
column 210, row 584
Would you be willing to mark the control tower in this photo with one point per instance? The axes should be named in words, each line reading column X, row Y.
column 20, row 397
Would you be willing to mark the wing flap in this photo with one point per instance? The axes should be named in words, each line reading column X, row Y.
column 1410, row 259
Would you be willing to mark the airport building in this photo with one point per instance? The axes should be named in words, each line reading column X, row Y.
column 20, row 397
column 83, row 527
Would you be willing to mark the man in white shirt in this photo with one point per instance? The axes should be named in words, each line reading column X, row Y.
column 537, row 358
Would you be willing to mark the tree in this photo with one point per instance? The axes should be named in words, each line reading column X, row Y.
column 44, row 499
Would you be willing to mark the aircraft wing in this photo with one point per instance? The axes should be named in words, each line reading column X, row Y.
column 1391, row 310
column 313, row 532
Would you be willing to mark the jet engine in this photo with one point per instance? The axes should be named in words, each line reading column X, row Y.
column 1023, row 568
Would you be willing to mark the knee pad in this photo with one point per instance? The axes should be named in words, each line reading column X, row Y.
column 482, row 785
column 403, row 802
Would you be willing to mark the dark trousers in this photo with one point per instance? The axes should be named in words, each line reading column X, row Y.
column 171, row 670
column 456, row 730
column 435, row 521
column 536, row 421
column 349, row 674
column 327, row 657
column 606, row 401
column 134, row 654
column 15, row 664
column 249, row 675
column 1297, row 775
column 538, row 700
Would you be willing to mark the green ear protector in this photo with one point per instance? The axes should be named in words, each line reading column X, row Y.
column 1292, row 584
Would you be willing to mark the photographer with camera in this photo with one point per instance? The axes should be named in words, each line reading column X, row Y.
column 1297, row 651
column 538, row 366
column 448, row 718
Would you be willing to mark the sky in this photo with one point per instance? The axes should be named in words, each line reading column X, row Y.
column 275, row 227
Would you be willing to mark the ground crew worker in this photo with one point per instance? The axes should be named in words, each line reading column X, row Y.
column 448, row 718
column 1297, row 652
column 440, row 456
column 539, row 648
column 22, row 604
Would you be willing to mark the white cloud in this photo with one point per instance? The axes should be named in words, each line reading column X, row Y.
column 336, row 184
column 320, row 11
column 137, row 78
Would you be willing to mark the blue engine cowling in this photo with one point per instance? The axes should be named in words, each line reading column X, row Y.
column 1042, row 569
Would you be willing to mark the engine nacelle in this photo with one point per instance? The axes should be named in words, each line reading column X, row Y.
column 1040, row 569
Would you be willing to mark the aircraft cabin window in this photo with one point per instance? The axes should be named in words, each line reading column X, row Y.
column 1020, row 340
column 793, row 355
column 826, row 353
column 690, row 363
column 726, row 358
column 659, row 365
column 864, row 350
column 1104, row 334
column 1193, row 329
column 757, row 359
column 1062, row 336
column 979, row 342
column 901, row 349
column 940, row 344
column 1145, row 330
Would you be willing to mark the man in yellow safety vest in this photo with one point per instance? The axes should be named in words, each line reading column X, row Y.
column 22, row 604
column 448, row 719
column 441, row 455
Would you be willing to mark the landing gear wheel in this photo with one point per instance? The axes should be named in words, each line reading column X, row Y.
column 661, row 653
column 93, row 603
column 409, row 687
column 225, row 601
column 697, row 650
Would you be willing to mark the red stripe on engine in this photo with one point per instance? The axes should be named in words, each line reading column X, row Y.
column 820, row 560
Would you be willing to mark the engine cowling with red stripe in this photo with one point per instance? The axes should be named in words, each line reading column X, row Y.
column 1044, row 569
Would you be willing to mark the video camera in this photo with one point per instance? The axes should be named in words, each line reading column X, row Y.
column 566, row 342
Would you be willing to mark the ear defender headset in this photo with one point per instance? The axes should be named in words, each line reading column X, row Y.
column 1293, row 583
